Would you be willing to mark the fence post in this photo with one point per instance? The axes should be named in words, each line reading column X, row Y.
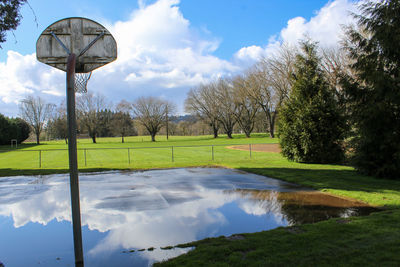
column 172, row 153
column 40, row 158
column 129, row 157
column 250, row 149
column 84, row 152
column 212, row 151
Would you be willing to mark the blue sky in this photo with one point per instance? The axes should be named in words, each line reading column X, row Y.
column 165, row 47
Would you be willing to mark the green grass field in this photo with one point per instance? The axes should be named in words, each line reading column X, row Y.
column 370, row 240
column 135, row 153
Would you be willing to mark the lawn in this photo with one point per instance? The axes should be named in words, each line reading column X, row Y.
column 135, row 153
column 369, row 240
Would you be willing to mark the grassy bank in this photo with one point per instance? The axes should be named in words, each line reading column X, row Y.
column 370, row 240
column 358, row 241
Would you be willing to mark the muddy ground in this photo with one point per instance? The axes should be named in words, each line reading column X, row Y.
column 275, row 148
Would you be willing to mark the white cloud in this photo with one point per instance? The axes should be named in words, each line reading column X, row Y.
column 325, row 28
column 158, row 54
column 158, row 48
column 251, row 53
column 21, row 75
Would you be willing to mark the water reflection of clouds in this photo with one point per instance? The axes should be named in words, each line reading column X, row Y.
column 166, row 207
column 137, row 212
column 28, row 201
column 261, row 205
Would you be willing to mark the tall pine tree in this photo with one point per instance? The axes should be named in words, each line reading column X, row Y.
column 311, row 125
column 374, row 91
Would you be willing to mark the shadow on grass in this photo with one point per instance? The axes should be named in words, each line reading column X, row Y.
column 15, row 172
column 7, row 148
column 343, row 182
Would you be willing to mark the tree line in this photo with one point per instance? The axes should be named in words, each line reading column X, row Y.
column 242, row 100
column 97, row 117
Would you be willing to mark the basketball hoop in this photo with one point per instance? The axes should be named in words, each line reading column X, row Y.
column 81, row 80
column 77, row 46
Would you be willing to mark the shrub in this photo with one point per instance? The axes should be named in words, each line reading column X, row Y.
column 13, row 129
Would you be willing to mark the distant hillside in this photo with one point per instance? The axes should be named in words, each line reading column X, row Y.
column 180, row 118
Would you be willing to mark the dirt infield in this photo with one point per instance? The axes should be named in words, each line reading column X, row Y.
column 275, row 148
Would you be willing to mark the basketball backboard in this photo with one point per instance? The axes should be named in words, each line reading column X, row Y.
column 93, row 44
column 75, row 45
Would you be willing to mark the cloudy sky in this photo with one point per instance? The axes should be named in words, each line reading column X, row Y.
column 165, row 47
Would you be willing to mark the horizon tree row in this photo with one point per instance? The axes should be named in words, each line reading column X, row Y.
column 97, row 118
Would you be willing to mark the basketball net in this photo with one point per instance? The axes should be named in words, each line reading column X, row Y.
column 81, row 80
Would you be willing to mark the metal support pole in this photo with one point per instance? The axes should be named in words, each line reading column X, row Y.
column 73, row 161
column 40, row 158
column 129, row 157
column 212, row 151
column 166, row 119
column 172, row 153
column 84, row 151
column 250, row 149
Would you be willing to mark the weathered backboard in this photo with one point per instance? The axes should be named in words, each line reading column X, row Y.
column 93, row 44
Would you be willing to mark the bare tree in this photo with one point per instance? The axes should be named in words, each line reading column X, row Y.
column 335, row 63
column 150, row 112
column 270, row 83
column 122, row 123
column 36, row 112
column 170, row 109
column 261, row 91
column 280, row 68
column 246, row 106
column 201, row 128
column 124, row 107
column 226, row 103
column 89, row 106
column 202, row 102
column 57, row 126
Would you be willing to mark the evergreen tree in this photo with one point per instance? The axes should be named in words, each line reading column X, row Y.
column 311, row 126
column 373, row 93
column 13, row 129
column 22, row 128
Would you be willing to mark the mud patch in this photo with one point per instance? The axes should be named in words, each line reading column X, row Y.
column 274, row 148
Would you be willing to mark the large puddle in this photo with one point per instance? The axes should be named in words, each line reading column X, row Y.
column 123, row 213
